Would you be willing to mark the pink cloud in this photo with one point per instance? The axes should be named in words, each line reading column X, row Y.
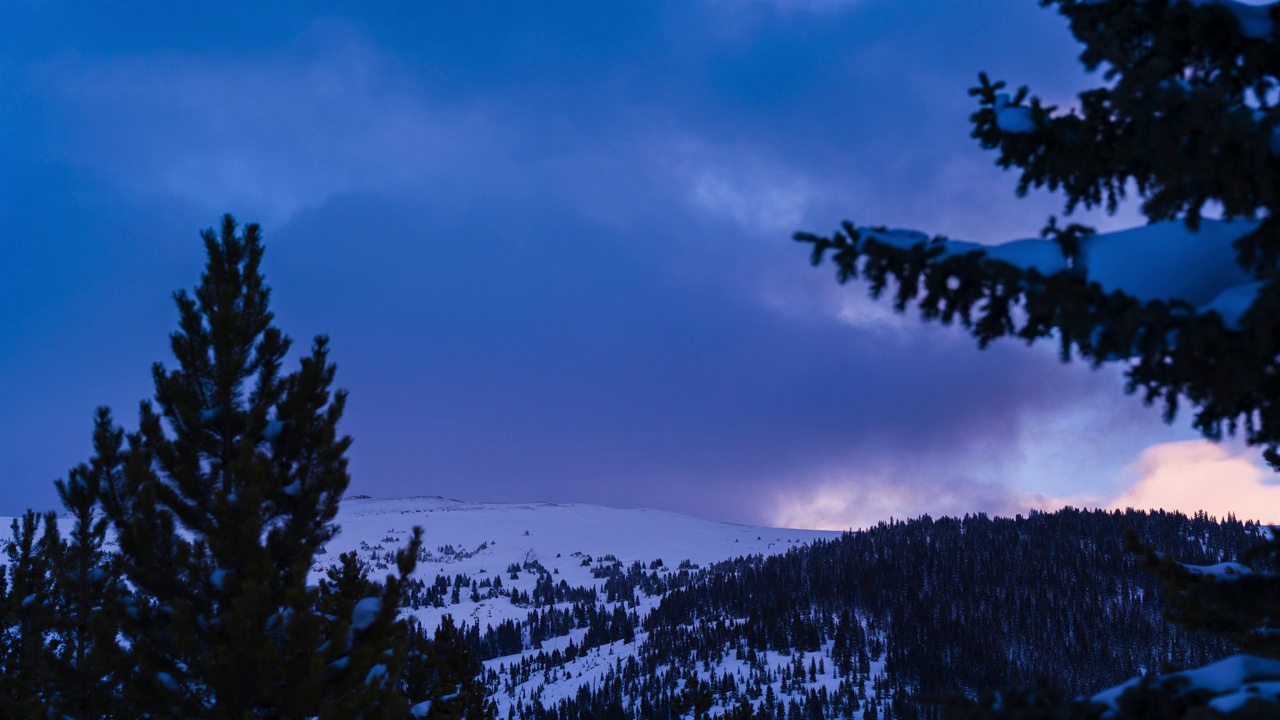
column 1195, row 475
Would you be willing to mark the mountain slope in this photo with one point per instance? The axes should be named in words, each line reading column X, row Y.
column 581, row 611
column 482, row 540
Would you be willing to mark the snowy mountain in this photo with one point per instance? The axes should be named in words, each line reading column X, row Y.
column 585, row 611
column 480, row 540
column 579, row 611
column 517, row 532
column 574, row 544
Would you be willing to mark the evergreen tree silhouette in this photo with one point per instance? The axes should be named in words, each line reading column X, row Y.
column 1186, row 118
column 219, row 503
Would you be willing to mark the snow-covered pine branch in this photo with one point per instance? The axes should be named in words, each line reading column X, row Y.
column 1168, row 301
column 1186, row 117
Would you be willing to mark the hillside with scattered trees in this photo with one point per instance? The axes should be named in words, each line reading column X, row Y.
column 902, row 620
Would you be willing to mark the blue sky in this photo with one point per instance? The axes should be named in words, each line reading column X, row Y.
column 551, row 244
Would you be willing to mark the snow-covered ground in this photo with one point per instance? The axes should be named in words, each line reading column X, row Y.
column 482, row 540
column 550, row 533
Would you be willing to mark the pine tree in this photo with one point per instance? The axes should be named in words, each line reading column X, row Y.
column 87, row 593
column 1186, row 117
column 452, row 675
column 28, row 646
column 59, row 606
column 219, row 504
column 224, row 495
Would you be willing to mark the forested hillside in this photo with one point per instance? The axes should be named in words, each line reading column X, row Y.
column 878, row 623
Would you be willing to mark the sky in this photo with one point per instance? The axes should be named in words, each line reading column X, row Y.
column 550, row 243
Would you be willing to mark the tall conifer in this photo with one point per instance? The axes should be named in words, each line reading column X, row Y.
column 28, row 646
column 227, row 491
column 87, row 591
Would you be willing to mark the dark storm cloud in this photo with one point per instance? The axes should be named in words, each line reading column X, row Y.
column 559, row 361
column 550, row 246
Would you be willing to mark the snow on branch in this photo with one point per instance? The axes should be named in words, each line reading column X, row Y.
column 1171, row 302
column 1255, row 20
column 1219, row 571
column 1013, row 118
column 1162, row 261
column 1230, row 683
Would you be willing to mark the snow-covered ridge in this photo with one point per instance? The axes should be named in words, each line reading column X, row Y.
column 454, row 532
column 571, row 541
column 483, row 542
column 559, row 536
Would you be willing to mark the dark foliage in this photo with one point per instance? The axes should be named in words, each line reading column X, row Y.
column 1186, row 117
column 218, row 506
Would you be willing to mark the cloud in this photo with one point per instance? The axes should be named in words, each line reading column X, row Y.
column 733, row 15
column 757, row 203
column 745, row 185
column 970, row 472
column 842, row 503
column 1196, row 475
column 266, row 135
column 1186, row 476
column 554, row 271
column 1043, row 450
column 821, row 7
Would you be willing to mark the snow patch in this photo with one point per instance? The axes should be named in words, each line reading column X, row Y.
column 899, row 238
column 1167, row 261
column 1161, row 261
column 1231, row 304
column 272, row 431
column 1044, row 257
column 366, row 612
column 1219, row 570
column 1255, row 20
column 1013, row 118
column 1234, row 681
column 377, row 673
